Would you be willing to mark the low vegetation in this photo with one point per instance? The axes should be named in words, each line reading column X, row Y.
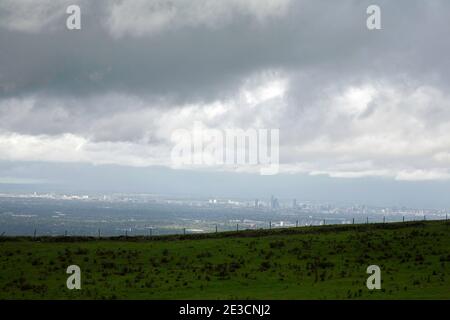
column 327, row 262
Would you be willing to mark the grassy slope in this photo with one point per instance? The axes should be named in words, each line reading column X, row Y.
column 300, row 263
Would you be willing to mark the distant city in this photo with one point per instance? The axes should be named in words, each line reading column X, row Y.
column 150, row 214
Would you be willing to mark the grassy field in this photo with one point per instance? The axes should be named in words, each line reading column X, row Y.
column 327, row 262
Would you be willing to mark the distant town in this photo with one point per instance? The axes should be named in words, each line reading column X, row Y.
column 273, row 204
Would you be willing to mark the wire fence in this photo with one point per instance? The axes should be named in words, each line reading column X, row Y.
column 220, row 227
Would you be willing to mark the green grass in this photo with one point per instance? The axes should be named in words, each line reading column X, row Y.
column 327, row 262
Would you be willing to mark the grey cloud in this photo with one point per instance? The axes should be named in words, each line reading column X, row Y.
column 198, row 63
column 122, row 81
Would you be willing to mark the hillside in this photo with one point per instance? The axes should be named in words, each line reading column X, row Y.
column 327, row 262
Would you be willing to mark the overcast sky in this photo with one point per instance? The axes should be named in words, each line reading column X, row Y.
column 350, row 103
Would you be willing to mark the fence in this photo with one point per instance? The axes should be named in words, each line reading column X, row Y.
column 224, row 227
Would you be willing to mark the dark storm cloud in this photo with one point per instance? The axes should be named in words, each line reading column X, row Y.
column 139, row 69
column 328, row 39
column 192, row 62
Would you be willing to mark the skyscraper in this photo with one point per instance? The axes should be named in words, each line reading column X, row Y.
column 274, row 203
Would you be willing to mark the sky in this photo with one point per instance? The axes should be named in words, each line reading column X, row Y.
column 364, row 113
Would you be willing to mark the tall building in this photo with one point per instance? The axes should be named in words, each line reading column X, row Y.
column 294, row 203
column 274, row 203
column 256, row 203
